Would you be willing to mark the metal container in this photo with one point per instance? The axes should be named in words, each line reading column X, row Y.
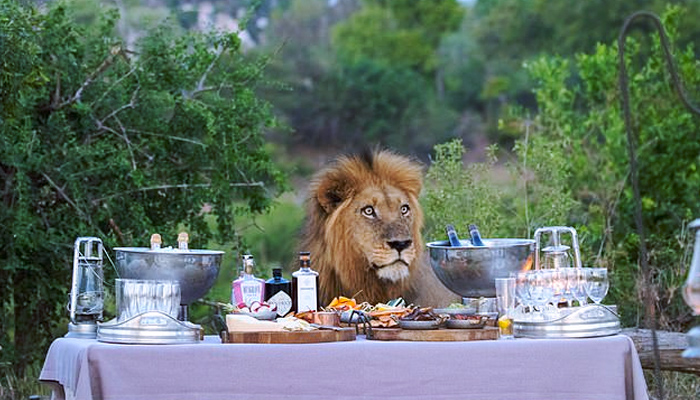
column 576, row 322
column 195, row 270
column 471, row 271
column 151, row 327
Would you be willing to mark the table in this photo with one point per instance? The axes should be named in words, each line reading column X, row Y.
column 605, row 368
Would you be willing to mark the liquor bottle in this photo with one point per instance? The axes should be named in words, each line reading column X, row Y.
column 476, row 236
column 279, row 291
column 156, row 241
column 452, row 235
column 182, row 240
column 247, row 288
column 304, row 285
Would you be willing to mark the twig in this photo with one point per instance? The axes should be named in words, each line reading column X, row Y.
column 180, row 186
column 63, row 194
column 91, row 78
column 166, row 136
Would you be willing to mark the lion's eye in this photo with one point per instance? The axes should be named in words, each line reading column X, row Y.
column 368, row 211
column 405, row 209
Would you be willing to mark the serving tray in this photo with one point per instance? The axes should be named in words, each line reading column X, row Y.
column 434, row 335
column 297, row 337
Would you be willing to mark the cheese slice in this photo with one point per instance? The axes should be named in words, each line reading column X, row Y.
column 246, row 323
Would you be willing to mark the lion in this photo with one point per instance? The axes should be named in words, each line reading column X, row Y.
column 363, row 229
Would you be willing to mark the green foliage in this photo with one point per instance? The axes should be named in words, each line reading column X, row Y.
column 459, row 195
column 97, row 139
column 503, row 202
column 332, row 99
column 579, row 108
column 403, row 33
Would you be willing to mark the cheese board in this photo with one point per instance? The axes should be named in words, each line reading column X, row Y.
column 434, row 335
column 287, row 337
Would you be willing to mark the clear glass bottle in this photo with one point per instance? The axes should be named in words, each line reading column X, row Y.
column 247, row 288
column 278, row 291
column 304, row 285
column 156, row 241
column 182, row 241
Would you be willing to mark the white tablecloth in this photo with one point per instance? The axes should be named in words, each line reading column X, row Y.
column 524, row 369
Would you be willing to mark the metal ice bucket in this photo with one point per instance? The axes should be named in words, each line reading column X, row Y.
column 195, row 270
column 471, row 271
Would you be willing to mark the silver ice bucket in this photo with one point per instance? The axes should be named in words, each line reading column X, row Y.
column 471, row 271
column 195, row 270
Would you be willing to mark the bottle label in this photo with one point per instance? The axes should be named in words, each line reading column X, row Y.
column 283, row 302
column 306, row 293
column 248, row 291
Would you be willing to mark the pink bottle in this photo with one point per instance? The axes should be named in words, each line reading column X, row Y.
column 247, row 288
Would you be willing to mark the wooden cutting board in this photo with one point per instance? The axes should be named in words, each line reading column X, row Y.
column 435, row 335
column 316, row 336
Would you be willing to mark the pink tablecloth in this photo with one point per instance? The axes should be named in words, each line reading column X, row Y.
column 569, row 369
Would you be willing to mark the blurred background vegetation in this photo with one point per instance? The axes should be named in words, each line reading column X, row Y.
column 512, row 105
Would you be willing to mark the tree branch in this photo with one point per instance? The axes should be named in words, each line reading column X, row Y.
column 180, row 186
column 91, row 78
column 63, row 194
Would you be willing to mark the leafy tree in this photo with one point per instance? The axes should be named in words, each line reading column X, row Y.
column 403, row 33
column 104, row 140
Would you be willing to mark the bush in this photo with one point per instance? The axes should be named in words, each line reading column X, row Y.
column 97, row 139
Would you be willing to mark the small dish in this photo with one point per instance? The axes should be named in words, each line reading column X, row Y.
column 350, row 316
column 433, row 324
column 265, row 314
column 454, row 311
column 465, row 323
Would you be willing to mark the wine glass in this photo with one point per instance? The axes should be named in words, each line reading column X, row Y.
column 597, row 284
column 541, row 289
column 522, row 291
column 576, row 278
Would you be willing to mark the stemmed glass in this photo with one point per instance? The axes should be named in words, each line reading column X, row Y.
column 597, row 283
column 541, row 289
column 577, row 283
column 522, row 291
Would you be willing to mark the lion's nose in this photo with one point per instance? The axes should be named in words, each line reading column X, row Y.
column 399, row 245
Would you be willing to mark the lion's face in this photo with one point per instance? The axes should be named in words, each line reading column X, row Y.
column 363, row 227
column 383, row 222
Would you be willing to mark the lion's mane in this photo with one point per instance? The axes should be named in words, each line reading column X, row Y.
column 332, row 224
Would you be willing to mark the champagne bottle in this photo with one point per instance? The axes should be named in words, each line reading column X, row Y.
column 476, row 236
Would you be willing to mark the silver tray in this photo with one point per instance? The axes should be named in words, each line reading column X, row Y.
column 577, row 322
column 151, row 327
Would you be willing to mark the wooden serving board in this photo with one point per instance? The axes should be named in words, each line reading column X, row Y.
column 316, row 336
column 435, row 335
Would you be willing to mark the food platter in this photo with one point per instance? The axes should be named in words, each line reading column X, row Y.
column 434, row 335
column 295, row 337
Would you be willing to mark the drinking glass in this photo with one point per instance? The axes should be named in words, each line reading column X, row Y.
column 576, row 278
column 560, row 286
column 505, row 299
column 522, row 291
column 541, row 289
column 597, row 284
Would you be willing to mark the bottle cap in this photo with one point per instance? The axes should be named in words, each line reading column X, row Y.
column 277, row 272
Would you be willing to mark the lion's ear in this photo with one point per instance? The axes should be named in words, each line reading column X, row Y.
column 332, row 190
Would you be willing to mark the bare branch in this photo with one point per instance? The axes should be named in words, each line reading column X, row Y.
column 91, row 78
column 166, row 136
column 63, row 194
column 180, row 186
